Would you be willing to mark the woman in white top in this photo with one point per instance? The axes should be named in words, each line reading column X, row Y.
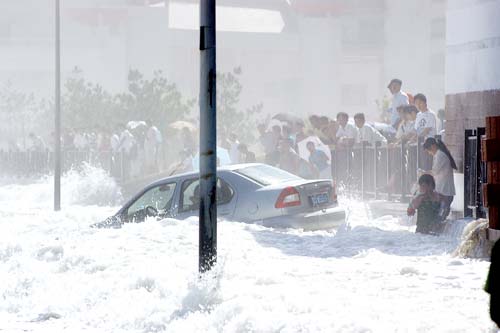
column 442, row 170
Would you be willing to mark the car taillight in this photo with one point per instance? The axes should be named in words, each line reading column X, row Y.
column 289, row 197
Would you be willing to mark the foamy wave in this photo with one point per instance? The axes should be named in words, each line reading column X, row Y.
column 86, row 185
column 90, row 186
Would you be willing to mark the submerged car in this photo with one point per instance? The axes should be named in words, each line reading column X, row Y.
column 254, row 193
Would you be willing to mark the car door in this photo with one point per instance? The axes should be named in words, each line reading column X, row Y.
column 189, row 199
column 159, row 199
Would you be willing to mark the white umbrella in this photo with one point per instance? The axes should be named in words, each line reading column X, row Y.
column 222, row 156
column 181, row 124
column 133, row 124
column 304, row 153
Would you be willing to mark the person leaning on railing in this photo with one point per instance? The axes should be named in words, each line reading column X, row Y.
column 367, row 133
column 406, row 131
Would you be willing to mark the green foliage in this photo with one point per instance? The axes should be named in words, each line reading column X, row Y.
column 229, row 118
column 16, row 108
column 87, row 105
column 156, row 99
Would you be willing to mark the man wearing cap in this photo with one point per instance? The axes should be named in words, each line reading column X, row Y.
column 399, row 98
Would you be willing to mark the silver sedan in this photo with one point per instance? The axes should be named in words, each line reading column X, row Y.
column 254, row 193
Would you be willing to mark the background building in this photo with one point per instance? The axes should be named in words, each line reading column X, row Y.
column 302, row 56
column 472, row 68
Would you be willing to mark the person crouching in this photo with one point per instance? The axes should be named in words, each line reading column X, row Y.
column 429, row 204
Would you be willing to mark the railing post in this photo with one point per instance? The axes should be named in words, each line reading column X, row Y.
column 467, row 174
column 403, row 171
column 349, row 170
column 419, row 155
column 388, row 157
column 335, row 165
column 481, row 173
column 363, row 162
column 375, row 168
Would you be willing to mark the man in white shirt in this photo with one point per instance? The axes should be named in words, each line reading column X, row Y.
column 399, row 98
column 366, row 133
column 406, row 130
column 114, row 142
column 425, row 124
column 346, row 133
column 80, row 140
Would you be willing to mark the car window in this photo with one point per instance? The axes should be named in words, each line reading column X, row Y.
column 159, row 197
column 267, row 175
column 191, row 192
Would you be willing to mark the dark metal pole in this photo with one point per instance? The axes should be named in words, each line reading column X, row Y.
column 57, row 125
column 208, row 138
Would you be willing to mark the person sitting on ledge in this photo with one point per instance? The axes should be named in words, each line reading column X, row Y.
column 430, row 205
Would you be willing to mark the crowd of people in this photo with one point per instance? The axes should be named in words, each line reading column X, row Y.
column 129, row 149
column 302, row 146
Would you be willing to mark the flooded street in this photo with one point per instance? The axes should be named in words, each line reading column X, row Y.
column 370, row 276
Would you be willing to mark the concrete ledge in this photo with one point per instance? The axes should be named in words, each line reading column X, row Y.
column 493, row 235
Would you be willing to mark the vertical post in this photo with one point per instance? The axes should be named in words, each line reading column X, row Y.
column 208, row 138
column 57, row 124
column 482, row 169
column 348, row 178
column 419, row 154
column 375, row 168
column 363, row 162
column 388, row 173
column 403, row 171
column 467, row 174
column 335, row 166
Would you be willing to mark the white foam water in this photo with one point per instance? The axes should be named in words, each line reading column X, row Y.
column 371, row 276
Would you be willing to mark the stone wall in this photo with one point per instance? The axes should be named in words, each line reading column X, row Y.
column 472, row 68
column 468, row 111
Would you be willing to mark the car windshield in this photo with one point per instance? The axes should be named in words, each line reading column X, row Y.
column 267, row 175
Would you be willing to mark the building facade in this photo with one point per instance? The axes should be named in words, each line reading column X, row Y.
column 472, row 68
column 300, row 56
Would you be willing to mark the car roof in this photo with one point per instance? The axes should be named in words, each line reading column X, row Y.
column 224, row 168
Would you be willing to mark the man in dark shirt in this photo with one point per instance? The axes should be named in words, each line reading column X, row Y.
column 246, row 155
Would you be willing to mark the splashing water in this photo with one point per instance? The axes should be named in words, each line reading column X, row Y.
column 87, row 185
column 373, row 275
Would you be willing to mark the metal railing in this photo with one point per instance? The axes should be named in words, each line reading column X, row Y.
column 37, row 163
column 379, row 171
column 474, row 174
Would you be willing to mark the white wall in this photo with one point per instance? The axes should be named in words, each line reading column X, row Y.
column 473, row 46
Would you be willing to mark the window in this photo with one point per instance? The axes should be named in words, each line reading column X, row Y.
column 267, row 175
column 159, row 197
column 190, row 195
column 369, row 31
